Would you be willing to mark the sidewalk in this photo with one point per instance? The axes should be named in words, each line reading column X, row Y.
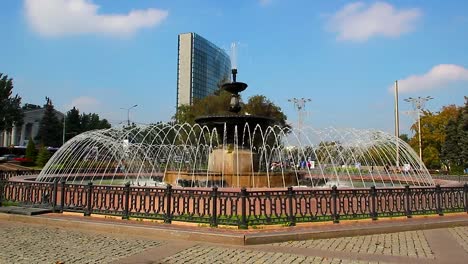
column 232, row 235
column 72, row 238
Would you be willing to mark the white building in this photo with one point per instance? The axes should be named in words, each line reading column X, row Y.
column 19, row 135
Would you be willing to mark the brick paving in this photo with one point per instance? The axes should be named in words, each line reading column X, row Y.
column 211, row 254
column 22, row 243
column 37, row 243
column 461, row 235
column 411, row 244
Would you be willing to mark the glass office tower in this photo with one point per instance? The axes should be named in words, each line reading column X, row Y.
column 201, row 67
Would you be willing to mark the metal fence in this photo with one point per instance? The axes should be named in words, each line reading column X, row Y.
column 7, row 174
column 238, row 208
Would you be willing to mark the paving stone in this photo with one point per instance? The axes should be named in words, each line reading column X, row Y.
column 461, row 235
column 411, row 243
column 225, row 256
column 41, row 244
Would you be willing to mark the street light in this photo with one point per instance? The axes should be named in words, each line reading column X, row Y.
column 128, row 113
column 418, row 105
column 299, row 104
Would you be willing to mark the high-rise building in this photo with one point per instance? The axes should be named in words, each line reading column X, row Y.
column 202, row 67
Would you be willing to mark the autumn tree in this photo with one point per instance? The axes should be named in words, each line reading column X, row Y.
column 433, row 134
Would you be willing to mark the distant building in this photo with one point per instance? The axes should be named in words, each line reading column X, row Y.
column 19, row 135
column 201, row 67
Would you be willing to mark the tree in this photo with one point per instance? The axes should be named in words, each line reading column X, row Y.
column 50, row 127
column 31, row 151
column 43, row 157
column 215, row 104
column 10, row 110
column 72, row 123
column 463, row 134
column 260, row 105
column 433, row 133
column 405, row 138
column 218, row 104
column 92, row 121
column 451, row 154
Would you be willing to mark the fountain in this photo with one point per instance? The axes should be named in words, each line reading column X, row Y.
column 235, row 150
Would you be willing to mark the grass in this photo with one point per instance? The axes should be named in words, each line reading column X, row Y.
column 9, row 203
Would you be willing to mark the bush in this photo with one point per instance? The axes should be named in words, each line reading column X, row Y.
column 43, row 157
column 31, row 151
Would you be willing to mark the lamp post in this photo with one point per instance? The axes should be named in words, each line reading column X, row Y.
column 299, row 104
column 418, row 104
column 128, row 113
column 397, row 126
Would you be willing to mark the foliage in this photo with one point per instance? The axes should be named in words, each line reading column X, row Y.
column 43, row 157
column 10, row 111
column 31, row 151
column 218, row 104
column 92, row 121
column 76, row 123
column 72, row 123
column 444, row 137
column 405, row 137
column 50, row 128
column 463, row 134
column 433, row 126
column 450, row 154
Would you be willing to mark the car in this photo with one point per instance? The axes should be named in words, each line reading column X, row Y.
column 7, row 157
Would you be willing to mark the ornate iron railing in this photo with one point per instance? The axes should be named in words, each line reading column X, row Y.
column 239, row 208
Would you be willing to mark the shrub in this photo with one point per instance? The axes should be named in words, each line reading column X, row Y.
column 43, row 157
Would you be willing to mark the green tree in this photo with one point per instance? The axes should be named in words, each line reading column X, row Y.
column 72, row 123
column 463, row 134
column 92, row 121
column 43, row 157
column 10, row 110
column 451, row 153
column 261, row 106
column 218, row 104
column 50, row 127
column 31, row 151
column 405, row 138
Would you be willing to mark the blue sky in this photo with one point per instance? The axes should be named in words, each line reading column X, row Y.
column 103, row 55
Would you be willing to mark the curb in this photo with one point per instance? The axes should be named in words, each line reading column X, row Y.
column 240, row 237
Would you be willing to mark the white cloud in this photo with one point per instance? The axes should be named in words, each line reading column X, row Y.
column 85, row 104
column 437, row 78
column 73, row 17
column 358, row 21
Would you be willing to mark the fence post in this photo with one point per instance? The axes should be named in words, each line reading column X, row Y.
column 334, row 194
column 244, row 194
column 292, row 216
column 373, row 193
column 2, row 186
column 438, row 193
column 408, row 201
column 54, row 195
column 465, row 190
column 62, row 195
column 89, row 202
column 126, row 214
column 168, row 216
column 214, row 212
